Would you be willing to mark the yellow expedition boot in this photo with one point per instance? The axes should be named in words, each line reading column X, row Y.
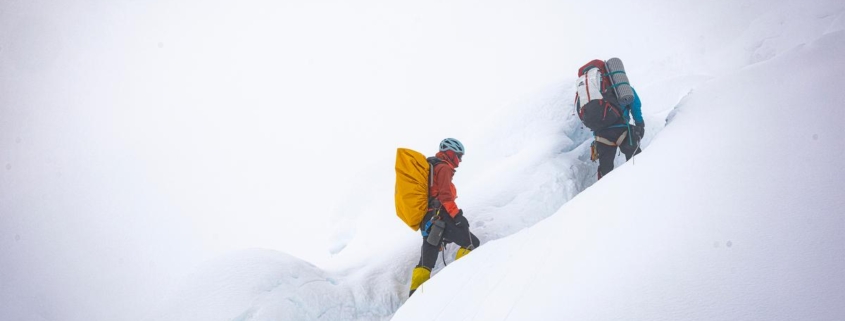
column 420, row 275
column 461, row 252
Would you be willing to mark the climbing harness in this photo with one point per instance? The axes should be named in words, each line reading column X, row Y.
column 612, row 143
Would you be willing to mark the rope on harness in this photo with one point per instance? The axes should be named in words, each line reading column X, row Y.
column 470, row 246
column 443, row 252
column 634, row 157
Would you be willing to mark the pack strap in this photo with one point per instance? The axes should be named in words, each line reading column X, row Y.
column 611, row 143
column 430, row 177
column 620, row 84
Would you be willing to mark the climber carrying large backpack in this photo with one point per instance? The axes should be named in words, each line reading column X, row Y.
column 437, row 216
column 605, row 102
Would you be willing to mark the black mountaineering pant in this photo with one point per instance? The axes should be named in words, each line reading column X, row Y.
column 607, row 153
column 459, row 235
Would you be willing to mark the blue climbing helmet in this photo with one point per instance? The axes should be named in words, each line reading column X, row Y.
column 452, row 144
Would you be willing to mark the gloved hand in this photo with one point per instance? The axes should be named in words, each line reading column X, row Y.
column 460, row 220
column 639, row 130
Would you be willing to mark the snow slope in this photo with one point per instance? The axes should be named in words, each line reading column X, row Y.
column 733, row 213
column 720, row 218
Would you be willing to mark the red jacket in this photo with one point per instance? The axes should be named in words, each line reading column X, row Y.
column 442, row 187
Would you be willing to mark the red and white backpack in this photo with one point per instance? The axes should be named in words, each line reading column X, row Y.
column 595, row 101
